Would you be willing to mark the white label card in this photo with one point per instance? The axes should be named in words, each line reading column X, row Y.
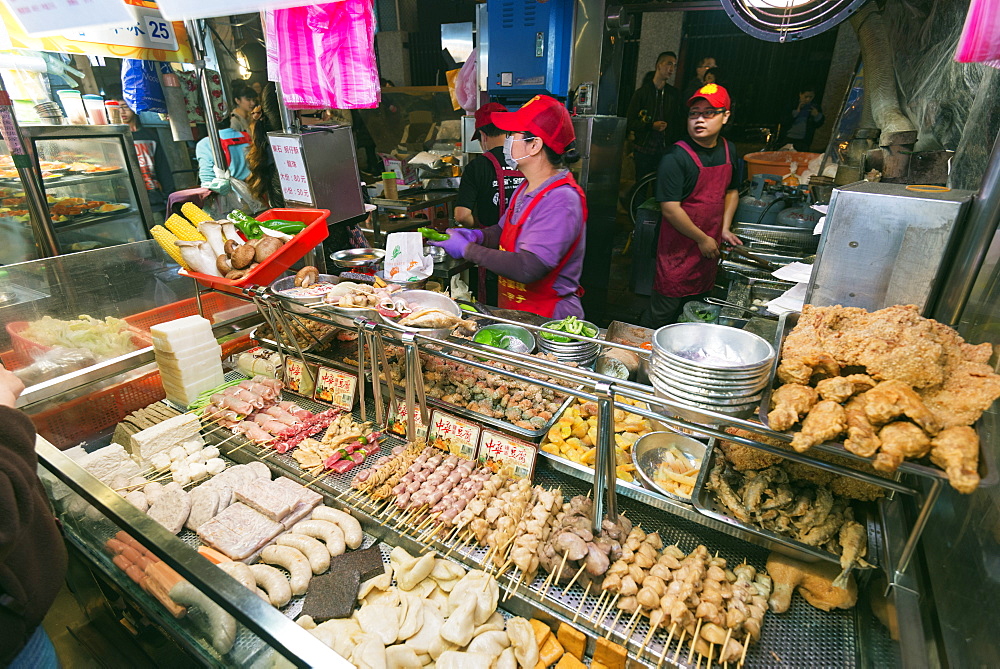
column 291, row 169
column 50, row 17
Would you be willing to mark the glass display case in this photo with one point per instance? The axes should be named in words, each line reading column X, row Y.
column 95, row 196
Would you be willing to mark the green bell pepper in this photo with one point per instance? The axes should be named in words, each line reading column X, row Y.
column 247, row 225
column 433, row 235
column 287, row 227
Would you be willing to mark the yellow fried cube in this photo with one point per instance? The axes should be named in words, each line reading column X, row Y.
column 589, row 457
column 580, row 429
column 551, row 448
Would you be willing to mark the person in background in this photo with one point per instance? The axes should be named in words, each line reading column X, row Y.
column 244, row 100
column 32, row 554
column 704, row 65
column 234, row 148
column 263, row 181
column 481, row 202
column 652, row 115
column 800, row 125
column 153, row 164
column 697, row 188
column 537, row 248
column 714, row 76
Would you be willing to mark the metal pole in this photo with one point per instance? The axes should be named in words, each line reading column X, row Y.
column 980, row 226
column 197, row 37
column 38, row 212
column 287, row 119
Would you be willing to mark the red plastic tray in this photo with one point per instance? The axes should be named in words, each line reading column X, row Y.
column 269, row 270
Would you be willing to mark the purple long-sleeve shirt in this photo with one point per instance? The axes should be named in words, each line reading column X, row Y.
column 545, row 239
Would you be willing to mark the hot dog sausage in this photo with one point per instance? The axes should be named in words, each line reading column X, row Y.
column 293, row 561
column 331, row 534
column 315, row 552
column 347, row 523
column 279, row 592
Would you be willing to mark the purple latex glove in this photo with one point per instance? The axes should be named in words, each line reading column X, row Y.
column 460, row 239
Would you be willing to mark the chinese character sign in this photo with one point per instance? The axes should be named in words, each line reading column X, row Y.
column 399, row 422
column 506, row 454
column 454, row 434
column 291, row 168
column 298, row 379
column 336, row 388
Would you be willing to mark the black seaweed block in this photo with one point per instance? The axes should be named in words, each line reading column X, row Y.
column 332, row 595
column 368, row 562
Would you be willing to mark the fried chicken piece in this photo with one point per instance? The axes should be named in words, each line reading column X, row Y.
column 814, row 581
column 854, row 546
column 802, row 369
column 842, row 388
column 956, row 450
column 900, row 440
column 969, row 390
column 726, row 494
column 891, row 399
column 789, row 403
column 861, row 437
column 744, row 458
column 825, row 421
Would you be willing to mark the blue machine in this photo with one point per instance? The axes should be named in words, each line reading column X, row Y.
column 530, row 44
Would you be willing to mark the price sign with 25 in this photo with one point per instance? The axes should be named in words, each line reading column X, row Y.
column 160, row 30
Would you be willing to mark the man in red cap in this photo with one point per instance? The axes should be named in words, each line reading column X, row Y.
column 697, row 188
column 481, row 202
column 538, row 247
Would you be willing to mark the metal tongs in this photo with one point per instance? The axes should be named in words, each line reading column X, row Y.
column 756, row 260
column 414, row 384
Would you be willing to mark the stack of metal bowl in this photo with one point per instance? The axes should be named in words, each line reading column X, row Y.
column 709, row 367
column 583, row 353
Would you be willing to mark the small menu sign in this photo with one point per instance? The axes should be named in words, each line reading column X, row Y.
column 453, row 434
column 336, row 388
column 502, row 453
column 297, row 379
column 291, row 166
column 398, row 424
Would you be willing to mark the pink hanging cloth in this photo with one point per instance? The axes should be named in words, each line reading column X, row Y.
column 980, row 40
column 327, row 55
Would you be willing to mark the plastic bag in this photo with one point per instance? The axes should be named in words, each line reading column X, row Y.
column 697, row 311
column 54, row 362
column 141, row 86
column 327, row 56
column 466, row 85
column 980, row 40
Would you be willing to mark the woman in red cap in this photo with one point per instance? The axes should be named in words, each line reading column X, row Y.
column 537, row 248
column 696, row 187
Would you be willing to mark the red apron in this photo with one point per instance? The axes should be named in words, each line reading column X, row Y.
column 502, row 174
column 539, row 297
column 681, row 270
column 236, row 141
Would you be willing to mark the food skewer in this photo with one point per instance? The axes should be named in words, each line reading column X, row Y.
column 614, row 624
column 599, row 605
column 634, row 620
column 583, row 600
column 666, row 646
column 680, row 645
column 694, row 639
column 746, row 644
column 570, row 585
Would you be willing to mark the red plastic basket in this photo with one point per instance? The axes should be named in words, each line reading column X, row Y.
column 212, row 303
column 269, row 270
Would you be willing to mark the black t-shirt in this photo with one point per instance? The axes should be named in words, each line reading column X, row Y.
column 677, row 173
column 478, row 190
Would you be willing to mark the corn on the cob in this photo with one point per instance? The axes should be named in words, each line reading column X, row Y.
column 166, row 240
column 184, row 230
column 195, row 214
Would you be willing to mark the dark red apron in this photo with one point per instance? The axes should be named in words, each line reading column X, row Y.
column 502, row 174
column 539, row 297
column 681, row 270
column 236, row 141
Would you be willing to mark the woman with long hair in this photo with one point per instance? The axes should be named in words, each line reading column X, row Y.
column 263, row 180
column 244, row 100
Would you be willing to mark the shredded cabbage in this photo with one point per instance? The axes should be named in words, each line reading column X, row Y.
column 105, row 339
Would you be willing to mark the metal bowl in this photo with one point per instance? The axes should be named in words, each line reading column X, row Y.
column 692, row 394
column 679, row 379
column 706, row 378
column 416, row 284
column 425, row 299
column 435, row 252
column 694, row 416
column 573, row 345
column 357, row 257
column 720, row 385
column 516, row 331
column 300, row 304
column 647, row 454
column 715, row 347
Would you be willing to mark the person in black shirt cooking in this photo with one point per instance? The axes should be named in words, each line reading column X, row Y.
column 697, row 187
column 480, row 202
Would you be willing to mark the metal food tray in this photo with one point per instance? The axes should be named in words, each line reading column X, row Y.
column 988, row 474
column 705, row 502
column 349, row 348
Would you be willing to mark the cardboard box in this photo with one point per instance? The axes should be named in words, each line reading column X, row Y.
column 400, row 165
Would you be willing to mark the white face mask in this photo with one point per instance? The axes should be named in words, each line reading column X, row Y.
column 507, row 146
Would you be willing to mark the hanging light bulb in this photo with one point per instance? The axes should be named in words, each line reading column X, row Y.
column 243, row 64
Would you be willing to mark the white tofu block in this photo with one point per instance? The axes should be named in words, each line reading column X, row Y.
column 110, row 462
column 187, row 392
column 181, row 327
column 163, row 437
column 208, row 346
column 193, row 374
column 179, row 369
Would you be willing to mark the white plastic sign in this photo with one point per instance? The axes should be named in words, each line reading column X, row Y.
column 149, row 31
column 181, row 10
column 53, row 17
column 291, row 168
